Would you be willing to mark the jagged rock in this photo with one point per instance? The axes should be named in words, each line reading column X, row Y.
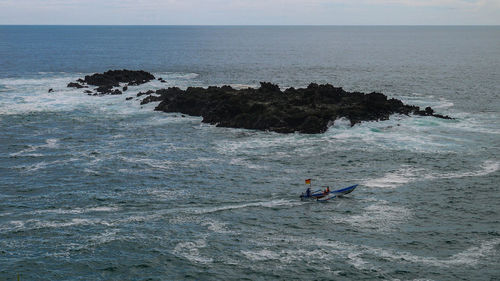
column 104, row 89
column 151, row 98
column 307, row 110
column 114, row 77
column 145, row 93
column 75, row 85
column 108, row 90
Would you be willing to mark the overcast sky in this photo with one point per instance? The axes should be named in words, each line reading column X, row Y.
column 251, row 12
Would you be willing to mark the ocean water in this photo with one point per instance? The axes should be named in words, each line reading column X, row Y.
column 99, row 188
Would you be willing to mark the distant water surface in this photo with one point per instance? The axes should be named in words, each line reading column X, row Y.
column 99, row 188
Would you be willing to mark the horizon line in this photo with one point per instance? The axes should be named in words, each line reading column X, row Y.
column 263, row 25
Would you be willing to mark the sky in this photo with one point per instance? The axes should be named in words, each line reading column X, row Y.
column 251, row 12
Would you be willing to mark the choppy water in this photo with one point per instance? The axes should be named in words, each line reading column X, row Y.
column 99, row 188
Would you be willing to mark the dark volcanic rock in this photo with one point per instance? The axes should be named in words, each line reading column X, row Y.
column 114, row 77
column 104, row 89
column 308, row 110
column 75, row 85
column 145, row 93
column 151, row 98
column 129, row 98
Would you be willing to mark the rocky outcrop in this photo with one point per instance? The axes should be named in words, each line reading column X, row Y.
column 75, row 85
column 307, row 110
column 114, row 77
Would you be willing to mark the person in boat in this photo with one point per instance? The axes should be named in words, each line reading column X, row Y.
column 308, row 192
column 326, row 191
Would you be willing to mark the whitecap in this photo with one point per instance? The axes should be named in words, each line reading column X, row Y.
column 469, row 257
column 408, row 174
column 77, row 210
column 261, row 255
column 49, row 143
column 191, row 251
column 381, row 216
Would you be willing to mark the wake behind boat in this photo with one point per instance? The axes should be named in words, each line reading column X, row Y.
column 325, row 195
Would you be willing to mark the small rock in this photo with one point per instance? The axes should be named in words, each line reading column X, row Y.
column 145, row 93
column 104, row 89
column 75, row 85
column 129, row 98
column 51, row 90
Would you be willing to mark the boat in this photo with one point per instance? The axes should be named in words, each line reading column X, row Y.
column 322, row 196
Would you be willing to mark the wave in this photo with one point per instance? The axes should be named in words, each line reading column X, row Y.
column 43, row 165
column 409, row 174
column 360, row 255
column 381, row 216
column 30, row 94
column 17, row 225
column 191, row 251
column 152, row 163
column 77, row 210
column 49, row 143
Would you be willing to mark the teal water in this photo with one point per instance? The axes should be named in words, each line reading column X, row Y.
column 99, row 188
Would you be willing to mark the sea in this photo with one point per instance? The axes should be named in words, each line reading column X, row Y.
column 100, row 188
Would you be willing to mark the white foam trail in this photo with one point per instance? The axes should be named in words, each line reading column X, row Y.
column 43, row 165
column 49, row 143
column 381, row 216
column 31, row 224
column 266, row 204
column 76, row 210
column 394, row 179
column 407, row 174
column 468, row 257
column 243, row 162
column 153, row 163
column 261, row 255
column 353, row 253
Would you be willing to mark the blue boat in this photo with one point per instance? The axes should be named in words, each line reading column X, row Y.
column 323, row 196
